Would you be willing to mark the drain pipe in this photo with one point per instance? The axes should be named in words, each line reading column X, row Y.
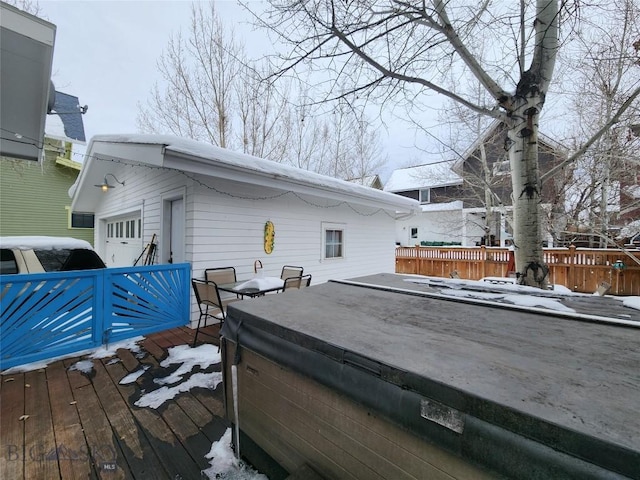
column 234, row 388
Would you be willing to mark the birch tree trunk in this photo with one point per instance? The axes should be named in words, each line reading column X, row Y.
column 525, row 179
column 524, row 115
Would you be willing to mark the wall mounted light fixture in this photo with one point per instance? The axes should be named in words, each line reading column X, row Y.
column 106, row 185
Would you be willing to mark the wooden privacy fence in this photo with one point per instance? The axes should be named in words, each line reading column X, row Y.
column 579, row 269
column 45, row 315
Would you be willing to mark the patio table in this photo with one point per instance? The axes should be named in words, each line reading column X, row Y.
column 255, row 287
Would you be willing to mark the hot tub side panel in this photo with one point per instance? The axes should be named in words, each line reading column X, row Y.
column 299, row 421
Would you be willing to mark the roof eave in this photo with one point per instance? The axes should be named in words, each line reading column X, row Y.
column 161, row 155
column 365, row 196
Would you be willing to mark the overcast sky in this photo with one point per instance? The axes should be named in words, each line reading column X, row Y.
column 106, row 52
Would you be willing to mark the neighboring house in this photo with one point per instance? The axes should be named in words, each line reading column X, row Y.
column 26, row 58
column 630, row 234
column 371, row 181
column 453, row 197
column 27, row 94
column 209, row 206
column 34, row 196
column 36, row 171
column 435, row 186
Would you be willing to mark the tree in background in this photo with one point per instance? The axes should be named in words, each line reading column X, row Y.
column 598, row 72
column 366, row 156
column 200, row 76
column 604, row 67
column 212, row 92
column 469, row 138
column 400, row 51
column 265, row 122
column 29, row 6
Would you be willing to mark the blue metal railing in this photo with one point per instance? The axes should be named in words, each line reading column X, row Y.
column 47, row 315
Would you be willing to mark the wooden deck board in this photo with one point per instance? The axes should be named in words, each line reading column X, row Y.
column 214, row 404
column 176, row 462
column 152, row 348
column 70, row 440
column 38, row 428
column 105, row 455
column 139, row 455
column 129, row 360
column 11, row 427
column 86, row 425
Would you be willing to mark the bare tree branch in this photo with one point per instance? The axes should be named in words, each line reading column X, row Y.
column 605, row 128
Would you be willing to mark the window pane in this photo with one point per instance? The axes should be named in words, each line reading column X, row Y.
column 333, row 244
column 82, row 220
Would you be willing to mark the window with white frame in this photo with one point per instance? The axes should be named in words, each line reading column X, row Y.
column 425, row 195
column 333, row 240
column 127, row 229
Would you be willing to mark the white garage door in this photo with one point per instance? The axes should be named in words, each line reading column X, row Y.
column 124, row 241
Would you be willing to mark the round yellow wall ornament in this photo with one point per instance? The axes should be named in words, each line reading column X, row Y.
column 269, row 236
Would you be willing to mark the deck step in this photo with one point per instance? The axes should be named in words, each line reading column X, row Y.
column 305, row 472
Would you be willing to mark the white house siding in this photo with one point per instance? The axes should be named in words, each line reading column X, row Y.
column 141, row 193
column 473, row 230
column 434, row 226
column 222, row 230
column 229, row 231
column 227, row 198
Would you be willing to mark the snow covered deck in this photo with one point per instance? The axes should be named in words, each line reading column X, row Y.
column 114, row 417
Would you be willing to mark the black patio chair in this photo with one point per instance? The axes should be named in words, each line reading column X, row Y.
column 296, row 282
column 289, row 271
column 222, row 275
column 208, row 297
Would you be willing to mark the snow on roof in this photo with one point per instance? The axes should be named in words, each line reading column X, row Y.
column 255, row 165
column 423, row 176
column 631, row 229
column 442, row 207
column 43, row 243
column 367, row 181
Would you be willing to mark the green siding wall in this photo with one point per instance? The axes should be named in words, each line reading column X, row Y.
column 33, row 197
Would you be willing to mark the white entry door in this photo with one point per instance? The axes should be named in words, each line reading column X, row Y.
column 123, row 241
column 176, row 247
